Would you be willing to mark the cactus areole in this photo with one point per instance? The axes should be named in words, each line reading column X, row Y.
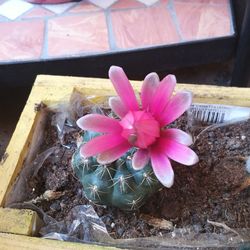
column 121, row 162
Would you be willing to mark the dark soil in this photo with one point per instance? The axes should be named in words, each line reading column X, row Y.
column 206, row 191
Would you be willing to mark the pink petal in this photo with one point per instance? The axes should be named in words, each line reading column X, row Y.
column 149, row 86
column 178, row 152
column 123, row 88
column 99, row 123
column 162, row 95
column 114, row 153
column 176, row 107
column 117, row 106
column 140, row 159
column 149, row 127
column 162, row 168
column 101, row 144
column 128, row 121
column 178, row 136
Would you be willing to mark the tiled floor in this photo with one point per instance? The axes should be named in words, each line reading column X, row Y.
column 33, row 32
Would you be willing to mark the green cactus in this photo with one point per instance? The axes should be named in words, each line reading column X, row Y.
column 116, row 184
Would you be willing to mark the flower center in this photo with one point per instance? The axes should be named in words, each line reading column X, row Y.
column 140, row 128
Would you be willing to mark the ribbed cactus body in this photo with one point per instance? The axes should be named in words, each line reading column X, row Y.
column 116, row 184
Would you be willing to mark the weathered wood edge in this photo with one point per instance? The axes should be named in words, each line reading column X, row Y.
column 17, row 242
column 202, row 93
column 18, row 221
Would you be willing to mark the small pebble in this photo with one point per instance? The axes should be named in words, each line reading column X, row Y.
column 55, row 206
column 120, row 231
column 173, row 235
column 62, row 205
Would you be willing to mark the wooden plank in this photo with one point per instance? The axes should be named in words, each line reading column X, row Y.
column 202, row 93
column 18, row 221
column 17, row 242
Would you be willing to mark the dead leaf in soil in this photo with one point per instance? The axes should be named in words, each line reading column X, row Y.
column 243, row 186
column 157, row 222
column 223, row 225
column 48, row 195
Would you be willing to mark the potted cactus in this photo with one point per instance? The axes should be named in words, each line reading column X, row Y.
column 130, row 160
column 122, row 158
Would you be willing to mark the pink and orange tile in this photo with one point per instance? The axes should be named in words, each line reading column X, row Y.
column 38, row 12
column 154, row 26
column 70, row 35
column 200, row 21
column 22, row 40
column 33, row 31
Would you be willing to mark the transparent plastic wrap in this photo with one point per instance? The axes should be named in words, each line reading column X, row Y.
column 62, row 117
column 224, row 176
column 81, row 224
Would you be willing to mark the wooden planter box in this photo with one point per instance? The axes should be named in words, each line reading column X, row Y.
column 18, row 226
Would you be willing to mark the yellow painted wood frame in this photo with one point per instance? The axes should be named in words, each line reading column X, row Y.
column 55, row 89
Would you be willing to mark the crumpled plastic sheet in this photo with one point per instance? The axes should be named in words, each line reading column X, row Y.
column 81, row 224
column 65, row 116
column 19, row 190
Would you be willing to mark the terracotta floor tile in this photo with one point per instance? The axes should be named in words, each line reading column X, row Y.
column 143, row 27
column 79, row 34
column 84, row 7
column 164, row 1
column 128, row 4
column 38, row 12
column 198, row 21
column 21, row 40
column 204, row 1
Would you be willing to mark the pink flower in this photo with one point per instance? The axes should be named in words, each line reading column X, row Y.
column 142, row 126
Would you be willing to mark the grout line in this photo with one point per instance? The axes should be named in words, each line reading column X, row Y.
column 44, row 54
column 111, row 35
column 231, row 16
column 172, row 12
